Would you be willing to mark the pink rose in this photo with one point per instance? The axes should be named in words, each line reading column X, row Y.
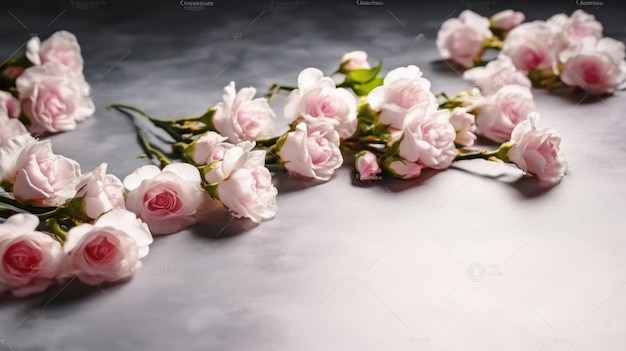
column 402, row 169
column 531, row 46
column 570, row 30
column 497, row 74
column 248, row 192
column 317, row 97
column 366, row 164
column 168, row 200
column 101, row 192
column 596, row 66
column 11, row 104
column 311, row 151
column 241, row 117
column 109, row 250
column 354, row 60
column 507, row 19
column 51, row 99
column 463, row 123
column 9, row 127
column 62, row 48
column 402, row 89
column 31, row 260
column 235, row 157
column 537, row 151
column 10, row 150
column 208, row 148
column 498, row 114
column 43, row 178
column 461, row 39
column 428, row 139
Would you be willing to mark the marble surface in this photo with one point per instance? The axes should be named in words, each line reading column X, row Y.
column 472, row 258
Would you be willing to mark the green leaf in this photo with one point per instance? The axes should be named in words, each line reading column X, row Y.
column 365, row 88
column 360, row 76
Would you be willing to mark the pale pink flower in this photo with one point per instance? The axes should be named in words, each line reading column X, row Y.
column 311, row 151
column 317, row 97
column 537, row 151
column 108, row 250
column 461, row 39
column 30, row 260
column 239, row 116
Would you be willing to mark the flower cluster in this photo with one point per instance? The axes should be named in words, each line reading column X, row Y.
column 62, row 224
column 392, row 124
column 45, row 89
column 563, row 50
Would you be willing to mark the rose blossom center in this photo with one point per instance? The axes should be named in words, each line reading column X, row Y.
column 410, row 95
column 322, row 105
column 100, row 250
column 20, row 259
column 249, row 121
column 319, row 148
column 163, row 201
column 591, row 71
column 50, row 104
column 532, row 57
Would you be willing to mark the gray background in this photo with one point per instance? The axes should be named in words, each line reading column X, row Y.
column 472, row 258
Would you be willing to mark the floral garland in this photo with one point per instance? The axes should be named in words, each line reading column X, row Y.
column 62, row 225
column 44, row 91
column 562, row 51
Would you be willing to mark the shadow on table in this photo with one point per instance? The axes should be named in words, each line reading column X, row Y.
column 60, row 296
column 526, row 185
column 578, row 97
column 395, row 185
column 218, row 224
column 287, row 184
column 447, row 67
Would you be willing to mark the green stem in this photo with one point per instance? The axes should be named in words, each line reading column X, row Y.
column 55, row 228
column 7, row 212
column 501, row 153
column 151, row 151
column 31, row 209
column 163, row 124
column 275, row 88
column 483, row 154
column 267, row 142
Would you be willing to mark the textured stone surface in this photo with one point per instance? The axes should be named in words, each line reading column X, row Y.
column 466, row 259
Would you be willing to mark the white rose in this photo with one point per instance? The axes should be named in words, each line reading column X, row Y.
column 596, row 66
column 239, row 116
column 61, row 47
column 428, row 139
column 531, row 46
column 498, row 114
column 9, row 127
column 101, row 192
column 311, row 151
column 168, row 200
column 51, row 99
column 402, row 89
column 461, row 39
column 537, row 151
column 109, row 250
column 317, row 97
column 43, row 178
column 495, row 75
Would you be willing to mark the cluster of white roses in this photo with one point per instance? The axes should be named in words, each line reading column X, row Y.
column 564, row 50
column 45, row 90
column 393, row 124
column 86, row 232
